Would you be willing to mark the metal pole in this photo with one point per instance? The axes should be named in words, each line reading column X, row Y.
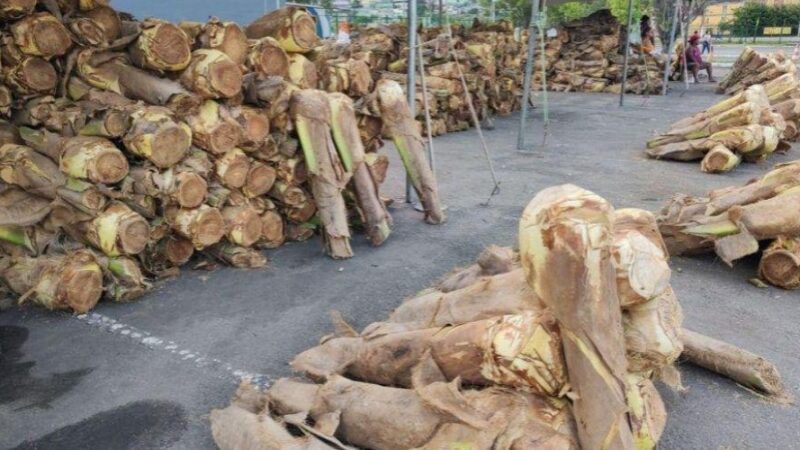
column 526, row 90
column 441, row 13
column 686, row 47
column 625, row 56
column 426, row 107
column 671, row 45
column 491, row 11
column 412, row 71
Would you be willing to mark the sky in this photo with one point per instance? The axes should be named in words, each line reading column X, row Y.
column 242, row 11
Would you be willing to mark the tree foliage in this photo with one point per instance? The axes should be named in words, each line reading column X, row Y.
column 751, row 18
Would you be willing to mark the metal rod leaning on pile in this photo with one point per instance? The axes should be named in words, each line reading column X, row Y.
column 534, row 375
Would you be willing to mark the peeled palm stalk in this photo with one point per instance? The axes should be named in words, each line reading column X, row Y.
column 112, row 72
column 227, row 37
column 518, row 351
column 377, row 220
column 41, row 34
column 781, row 88
column 293, row 27
column 272, row 230
column 70, row 282
column 232, row 169
column 302, row 72
column 642, row 272
column 16, row 9
column 378, row 165
column 744, row 139
column 238, row 256
column 312, row 116
column 652, row 332
column 780, row 263
column 212, row 74
column 156, row 135
column 266, row 56
column 401, row 127
column 161, row 46
column 243, row 225
column 781, row 178
column 719, row 160
column 117, row 231
column 493, row 260
column 747, row 369
column 566, row 234
column 214, row 128
column 743, row 114
column 203, row 226
column 757, row 95
column 648, row 416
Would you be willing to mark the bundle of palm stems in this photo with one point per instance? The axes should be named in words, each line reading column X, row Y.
column 754, row 68
column 556, row 346
column 738, row 221
column 128, row 146
column 748, row 126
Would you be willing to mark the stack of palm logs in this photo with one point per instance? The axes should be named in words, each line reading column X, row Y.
column 128, row 146
column 554, row 347
column 738, row 221
column 584, row 56
column 748, row 126
column 754, row 68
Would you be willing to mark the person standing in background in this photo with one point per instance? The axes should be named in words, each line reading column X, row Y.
column 707, row 47
column 648, row 35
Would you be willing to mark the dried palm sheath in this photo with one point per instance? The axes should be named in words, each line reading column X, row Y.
column 493, row 260
column 292, row 27
column 401, row 127
column 312, row 116
column 377, row 220
column 747, row 369
column 565, row 233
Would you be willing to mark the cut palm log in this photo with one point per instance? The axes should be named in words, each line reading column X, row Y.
column 41, row 34
column 273, row 234
column 232, row 169
column 16, row 9
column 117, row 231
column 156, row 135
column 203, row 226
column 254, row 123
column 642, row 272
column 780, row 263
column 259, row 181
column 652, row 333
column 212, row 74
column 111, row 123
column 184, row 188
column 31, row 75
column 161, row 46
column 302, row 72
column 69, row 282
column 293, row 27
column 267, row 57
column 242, row 224
column 214, row 128
column 377, row 220
column 238, row 256
column 312, row 116
column 227, row 37
column 125, row 281
column 748, row 369
column 719, row 160
column 400, row 126
column 565, row 233
column 494, row 260
column 108, row 20
column 109, row 71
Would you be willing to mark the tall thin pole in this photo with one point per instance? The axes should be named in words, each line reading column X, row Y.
column 688, row 12
column 671, row 45
column 491, row 11
column 441, row 13
column 412, row 70
column 526, row 91
column 627, row 51
column 426, row 107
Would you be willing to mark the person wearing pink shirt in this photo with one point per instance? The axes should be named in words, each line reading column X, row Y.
column 695, row 59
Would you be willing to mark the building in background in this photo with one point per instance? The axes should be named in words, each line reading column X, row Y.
column 719, row 13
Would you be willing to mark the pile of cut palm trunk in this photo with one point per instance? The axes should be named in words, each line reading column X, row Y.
column 554, row 347
column 127, row 146
column 752, row 68
column 748, row 126
column 738, row 221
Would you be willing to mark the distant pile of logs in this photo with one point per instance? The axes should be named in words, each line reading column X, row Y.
column 748, row 126
column 754, row 68
column 128, row 146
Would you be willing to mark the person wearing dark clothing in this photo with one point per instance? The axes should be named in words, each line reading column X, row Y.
column 695, row 61
column 648, row 35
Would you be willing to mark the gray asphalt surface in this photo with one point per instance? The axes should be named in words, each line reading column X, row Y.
column 145, row 375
